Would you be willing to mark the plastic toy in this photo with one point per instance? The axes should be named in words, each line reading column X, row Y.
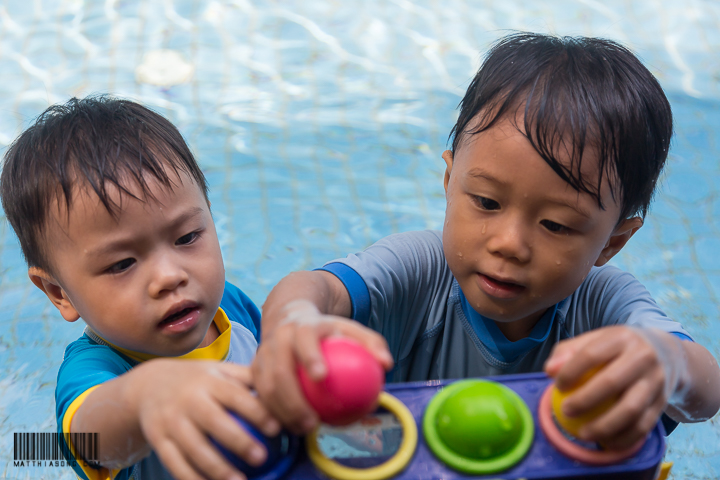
column 281, row 450
column 478, row 427
column 492, row 424
column 352, row 385
column 572, row 425
column 562, row 430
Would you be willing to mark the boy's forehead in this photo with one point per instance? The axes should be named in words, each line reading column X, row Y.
column 562, row 147
column 86, row 203
column 475, row 149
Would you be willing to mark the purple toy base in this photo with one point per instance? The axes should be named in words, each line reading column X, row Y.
column 542, row 461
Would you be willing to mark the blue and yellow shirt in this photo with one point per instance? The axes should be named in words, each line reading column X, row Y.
column 90, row 361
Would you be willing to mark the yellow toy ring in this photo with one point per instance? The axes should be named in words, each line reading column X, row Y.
column 391, row 467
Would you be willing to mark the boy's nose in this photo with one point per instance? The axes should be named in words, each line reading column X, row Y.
column 167, row 276
column 509, row 240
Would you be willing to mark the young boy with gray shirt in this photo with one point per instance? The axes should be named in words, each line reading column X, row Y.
column 554, row 161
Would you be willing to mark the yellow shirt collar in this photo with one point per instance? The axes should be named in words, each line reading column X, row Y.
column 217, row 350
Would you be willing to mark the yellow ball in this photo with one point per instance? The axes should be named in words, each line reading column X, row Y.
column 572, row 425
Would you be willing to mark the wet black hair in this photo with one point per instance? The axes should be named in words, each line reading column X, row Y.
column 575, row 93
column 98, row 141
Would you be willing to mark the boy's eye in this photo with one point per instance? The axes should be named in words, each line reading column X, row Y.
column 554, row 227
column 187, row 239
column 121, row 266
column 487, row 203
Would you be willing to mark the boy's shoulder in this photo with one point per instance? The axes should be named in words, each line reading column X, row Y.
column 240, row 309
column 87, row 363
column 420, row 247
column 414, row 238
column 611, row 296
column 90, row 346
column 608, row 280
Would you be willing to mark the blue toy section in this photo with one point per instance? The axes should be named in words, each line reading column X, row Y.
column 542, row 461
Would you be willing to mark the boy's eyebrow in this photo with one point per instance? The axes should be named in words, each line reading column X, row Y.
column 479, row 173
column 575, row 207
column 126, row 242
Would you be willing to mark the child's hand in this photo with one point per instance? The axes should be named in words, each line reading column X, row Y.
column 633, row 369
column 296, row 340
column 182, row 403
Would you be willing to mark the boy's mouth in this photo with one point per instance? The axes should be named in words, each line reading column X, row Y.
column 499, row 288
column 180, row 318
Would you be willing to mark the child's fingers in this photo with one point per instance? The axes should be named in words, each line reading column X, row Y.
column 175, row 462
column 307, row 344
column 565, row 350
column 239, row 373
column 307, row 348
column 202, row 454
column 370, row 339
column 277, row 384
column 639, row 430
column 220, row 426
column 642, row 401
column 592, row 352
column 609, row 382
column 249, row 407
column 635, row 363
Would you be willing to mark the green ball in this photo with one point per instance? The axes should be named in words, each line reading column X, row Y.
column 478, row 426
column 481, row 421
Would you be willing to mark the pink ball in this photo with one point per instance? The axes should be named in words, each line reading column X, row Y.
column 352, row 385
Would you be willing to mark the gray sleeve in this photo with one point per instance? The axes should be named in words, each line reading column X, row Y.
column 407, row 280
column 610, row 296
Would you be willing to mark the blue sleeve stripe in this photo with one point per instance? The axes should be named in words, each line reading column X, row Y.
column 682, row 336
column 356, row 287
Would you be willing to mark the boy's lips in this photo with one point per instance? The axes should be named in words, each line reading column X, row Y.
column 180, row 317
column 499, row 288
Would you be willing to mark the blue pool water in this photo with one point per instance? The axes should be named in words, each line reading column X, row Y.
column 320, row 127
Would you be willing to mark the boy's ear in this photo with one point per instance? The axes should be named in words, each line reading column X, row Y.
column 618, row 239
column 448, row 157
column 47, row 283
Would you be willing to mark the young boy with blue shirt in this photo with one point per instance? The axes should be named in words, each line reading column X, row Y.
column 113, row 218
column 555, row 157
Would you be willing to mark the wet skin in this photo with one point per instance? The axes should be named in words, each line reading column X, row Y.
column 148, row 279
column 517, row 237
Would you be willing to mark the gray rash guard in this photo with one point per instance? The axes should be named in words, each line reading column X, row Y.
column 403, row 288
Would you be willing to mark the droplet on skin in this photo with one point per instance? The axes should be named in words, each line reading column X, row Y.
column 558, row 262
column 459, row 254
column 484, row 228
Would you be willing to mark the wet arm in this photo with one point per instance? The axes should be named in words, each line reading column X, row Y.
column 697, row 396
column 111, row 411
column 322, row 289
